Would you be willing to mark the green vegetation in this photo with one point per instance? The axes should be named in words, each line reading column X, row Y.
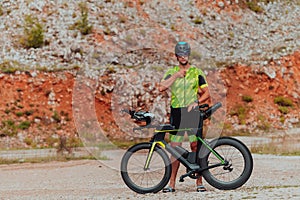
column 8, row 67
column 122, row 143
column 240, row 111
column 278, row 146
column 28, row 112
column 283, row 109
column 284, row 104
column 198, row 20
column 74, row 142
column 8, row 128
column 56, row 116
column 62, row 158
column 263, row 123
column 24, row 125
column 19, row 114
column 33, row 33
column 247, row 98
column 253, row 5
column 1, row 11
column 83, row 24
column 282, row 101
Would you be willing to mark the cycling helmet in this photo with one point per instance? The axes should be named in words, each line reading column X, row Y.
column 182, row 49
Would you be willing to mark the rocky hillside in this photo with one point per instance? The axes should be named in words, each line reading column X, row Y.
column 116, row 51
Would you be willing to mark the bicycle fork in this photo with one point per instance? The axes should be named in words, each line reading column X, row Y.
column 150, row 153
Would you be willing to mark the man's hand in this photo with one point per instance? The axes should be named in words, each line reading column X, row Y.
column 165, row 84
column 192, row 106
column 181, row 73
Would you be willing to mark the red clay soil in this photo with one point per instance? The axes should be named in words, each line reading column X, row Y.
column 29, row 98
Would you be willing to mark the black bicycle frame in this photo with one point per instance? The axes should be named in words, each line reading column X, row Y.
column 158, row 139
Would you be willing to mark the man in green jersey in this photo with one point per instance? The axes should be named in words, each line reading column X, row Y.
column 188, row 89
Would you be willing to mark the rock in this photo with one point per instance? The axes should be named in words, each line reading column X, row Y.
column 221, row 4
column 270, row 72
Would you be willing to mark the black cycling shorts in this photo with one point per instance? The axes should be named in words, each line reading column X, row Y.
column 180, row 118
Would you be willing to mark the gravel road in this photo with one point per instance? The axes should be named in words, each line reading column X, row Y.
column 274, row 177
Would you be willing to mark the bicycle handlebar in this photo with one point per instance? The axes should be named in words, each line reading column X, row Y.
column 211, row 110
column 148, row 117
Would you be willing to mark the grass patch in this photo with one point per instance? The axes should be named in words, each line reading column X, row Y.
column 9, row 67
column 242, row 132
column 284, row 146
column 123, row 144
column 63, row 158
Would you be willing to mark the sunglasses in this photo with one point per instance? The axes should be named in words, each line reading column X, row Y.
column 184, row 56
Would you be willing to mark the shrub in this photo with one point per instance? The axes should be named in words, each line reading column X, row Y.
column 8, row 128
column 241, row 112
column 8, row 67
column 253, row 5
column 83, row 24
column 28, row 141
column 24, row 125
column 198, row 20
column 56, row 116
column 283, row 109
column 19, row 114
column 247, row 98
column 282, row 101
column 1, row 10
column 263, row 124
column 29, row 112
column 33, row 33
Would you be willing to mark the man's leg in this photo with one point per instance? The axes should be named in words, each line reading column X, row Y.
column 194, row 149
column 175, row 166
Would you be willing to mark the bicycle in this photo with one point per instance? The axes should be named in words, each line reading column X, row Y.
column 225, row 163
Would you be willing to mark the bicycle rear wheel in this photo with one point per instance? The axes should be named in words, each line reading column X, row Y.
column 238, row 169
column 139, row 179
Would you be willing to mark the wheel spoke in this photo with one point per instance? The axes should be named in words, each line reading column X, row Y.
column 142, row 180
column 235, row 159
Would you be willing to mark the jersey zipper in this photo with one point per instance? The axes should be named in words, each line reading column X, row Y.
column 184, row 95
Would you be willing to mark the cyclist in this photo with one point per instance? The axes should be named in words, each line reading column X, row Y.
column 188, row 88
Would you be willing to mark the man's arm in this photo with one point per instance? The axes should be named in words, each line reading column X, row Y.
column 204, row 98
column 169, row 80
column 204, row 95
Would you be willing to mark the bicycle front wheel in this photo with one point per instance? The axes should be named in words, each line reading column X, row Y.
column 235, row 172
column 145, row 180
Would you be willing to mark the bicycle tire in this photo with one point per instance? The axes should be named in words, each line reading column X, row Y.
column 140, row 180
column 238, row 156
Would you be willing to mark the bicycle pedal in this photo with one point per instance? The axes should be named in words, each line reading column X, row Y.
column 181, row 179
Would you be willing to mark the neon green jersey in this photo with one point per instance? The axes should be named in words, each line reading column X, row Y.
column 185, row 90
